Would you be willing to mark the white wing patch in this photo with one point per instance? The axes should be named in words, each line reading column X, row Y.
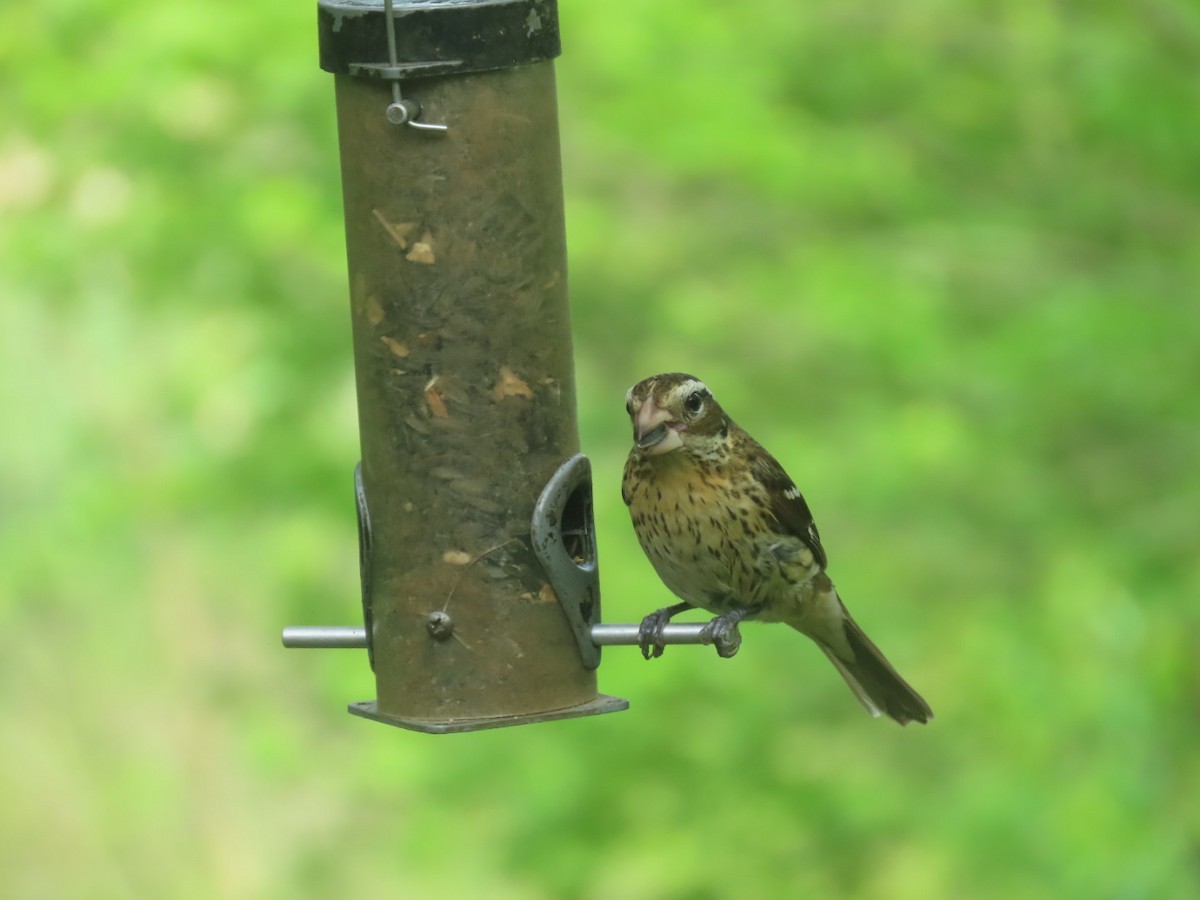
column 791, row 492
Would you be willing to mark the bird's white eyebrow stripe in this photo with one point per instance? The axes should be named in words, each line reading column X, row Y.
column 691, row 385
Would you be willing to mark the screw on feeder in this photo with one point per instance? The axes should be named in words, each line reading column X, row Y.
column 405, row 112
column 439, row 625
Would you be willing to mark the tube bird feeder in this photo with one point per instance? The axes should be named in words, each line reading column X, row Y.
column 456, row 251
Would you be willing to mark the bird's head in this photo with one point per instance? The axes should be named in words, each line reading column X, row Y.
column 675, row 411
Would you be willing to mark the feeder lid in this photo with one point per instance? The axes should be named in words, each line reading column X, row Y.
column 437, row 37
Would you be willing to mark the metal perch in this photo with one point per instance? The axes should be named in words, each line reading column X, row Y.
column 623, row 634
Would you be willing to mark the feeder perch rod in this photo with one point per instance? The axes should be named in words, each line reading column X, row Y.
column 323, row 637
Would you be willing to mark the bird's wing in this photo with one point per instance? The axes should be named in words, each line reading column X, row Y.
column 787, row 503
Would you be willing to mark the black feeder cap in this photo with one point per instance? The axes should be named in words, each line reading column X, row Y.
column 438, row 37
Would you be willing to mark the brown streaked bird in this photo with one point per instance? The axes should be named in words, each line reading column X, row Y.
column 727, row 531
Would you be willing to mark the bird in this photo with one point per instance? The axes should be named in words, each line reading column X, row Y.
column 727, row 531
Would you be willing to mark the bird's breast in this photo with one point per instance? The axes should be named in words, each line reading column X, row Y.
column 700, row 529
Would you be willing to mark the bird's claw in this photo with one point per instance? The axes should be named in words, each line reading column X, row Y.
column 723, row 633
column 650, row 633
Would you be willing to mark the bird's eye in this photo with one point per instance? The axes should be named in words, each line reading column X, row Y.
column 694, row 402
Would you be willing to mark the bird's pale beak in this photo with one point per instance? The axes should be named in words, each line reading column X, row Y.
column 652, row 431
column 652, row 438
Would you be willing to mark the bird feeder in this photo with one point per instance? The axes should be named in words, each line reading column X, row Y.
column 480, row 588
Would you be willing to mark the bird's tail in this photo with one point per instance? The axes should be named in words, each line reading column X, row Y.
column 878, row 686
column 875, row 683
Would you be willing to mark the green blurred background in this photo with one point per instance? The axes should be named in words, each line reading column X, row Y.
column 941, row 257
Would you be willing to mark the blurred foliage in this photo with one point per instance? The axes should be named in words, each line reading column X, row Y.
column 943, row 258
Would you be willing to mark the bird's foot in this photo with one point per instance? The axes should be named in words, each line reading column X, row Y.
column 650, row 632
column 722, row 632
